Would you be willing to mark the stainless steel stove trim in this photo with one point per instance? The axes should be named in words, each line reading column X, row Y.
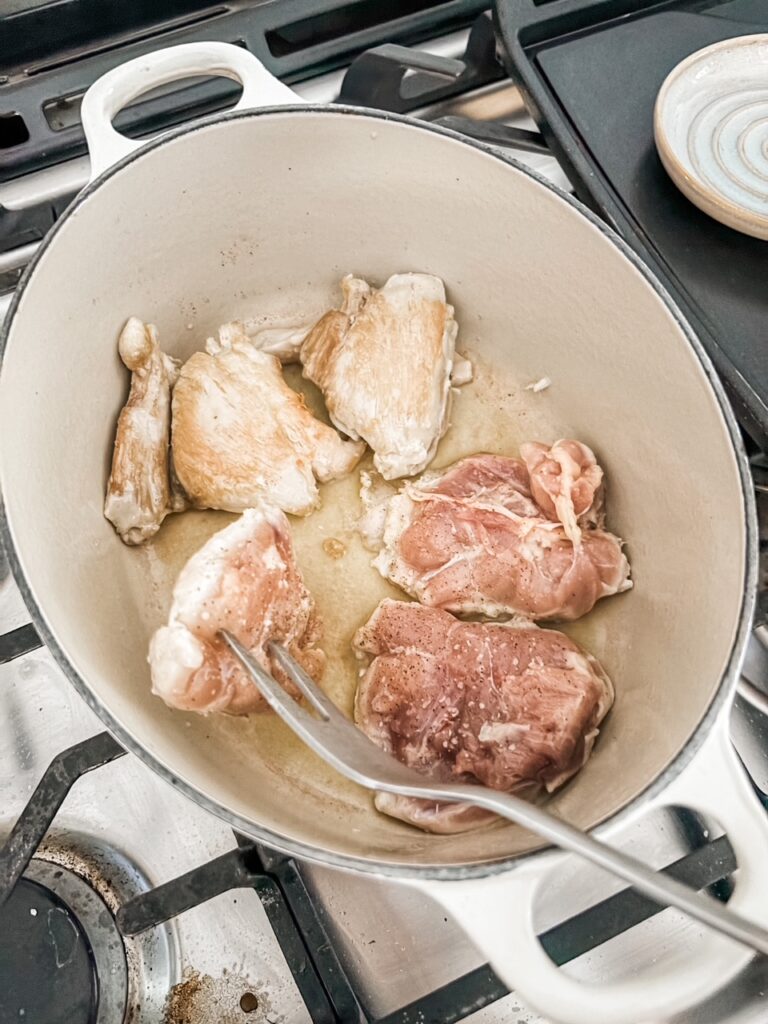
column 725, row 690
column 754, row 696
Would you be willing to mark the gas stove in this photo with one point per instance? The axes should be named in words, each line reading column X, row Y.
column 124, row 902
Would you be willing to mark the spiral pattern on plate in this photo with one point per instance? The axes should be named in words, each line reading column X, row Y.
column 727, row 146
column 711, row 129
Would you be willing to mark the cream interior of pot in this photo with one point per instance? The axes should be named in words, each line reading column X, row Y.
column 261, row 216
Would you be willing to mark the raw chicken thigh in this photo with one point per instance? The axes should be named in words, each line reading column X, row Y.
column 240, row 434
column 383, row 362
column 566, row 483
column 244, row 580
column 511, row 707
column 140, row 492
column 474, row 538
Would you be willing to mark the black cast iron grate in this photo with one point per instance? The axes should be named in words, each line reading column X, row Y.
column 50, row 54
column 326, row 989
column 48, row 58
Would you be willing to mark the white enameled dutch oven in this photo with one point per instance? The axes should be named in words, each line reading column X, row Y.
column 264, row 208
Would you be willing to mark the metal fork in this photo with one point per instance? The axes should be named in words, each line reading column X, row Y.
column 339, row 742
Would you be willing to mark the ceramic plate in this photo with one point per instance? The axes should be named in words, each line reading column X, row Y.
column 711, row 128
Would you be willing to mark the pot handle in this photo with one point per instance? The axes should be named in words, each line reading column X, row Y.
column 118, row 87
column 497, row 911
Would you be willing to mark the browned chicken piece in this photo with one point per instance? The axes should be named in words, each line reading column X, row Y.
column 566, row 482
column 513, row 707
column 241, row 434
column 141, row 490
column 383, row 362
column 245, row 580
column 473, row 540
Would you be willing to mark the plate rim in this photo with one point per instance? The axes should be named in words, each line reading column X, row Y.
column 708, row 199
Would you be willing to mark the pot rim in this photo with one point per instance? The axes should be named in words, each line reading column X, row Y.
column 294, row 848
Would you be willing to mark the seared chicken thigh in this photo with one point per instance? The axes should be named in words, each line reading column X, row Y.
column 383, row 362
column 472, row 539
column 245, row 580
column 283, row 341
column 240, row 434
column 512, row 707
column 140, row 491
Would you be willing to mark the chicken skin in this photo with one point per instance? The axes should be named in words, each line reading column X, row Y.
column 244, row 580
column 473, row 539
column 566, row 483
column 511, row 707
column 140, row 491
column 383, row 362
column 240, row 434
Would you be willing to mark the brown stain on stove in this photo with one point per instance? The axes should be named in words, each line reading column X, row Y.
column 66, row 855
column 203, row 999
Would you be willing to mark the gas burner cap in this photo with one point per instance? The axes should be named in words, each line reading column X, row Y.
column 61, row 955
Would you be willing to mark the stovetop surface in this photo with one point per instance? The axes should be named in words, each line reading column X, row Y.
column 126, row 831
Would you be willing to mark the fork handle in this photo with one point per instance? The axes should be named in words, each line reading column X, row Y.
column 497, row 911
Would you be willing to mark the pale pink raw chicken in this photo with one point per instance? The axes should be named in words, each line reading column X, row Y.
column 475, row 539
column 510, row 706
column 245, row 580
column 566, row 482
